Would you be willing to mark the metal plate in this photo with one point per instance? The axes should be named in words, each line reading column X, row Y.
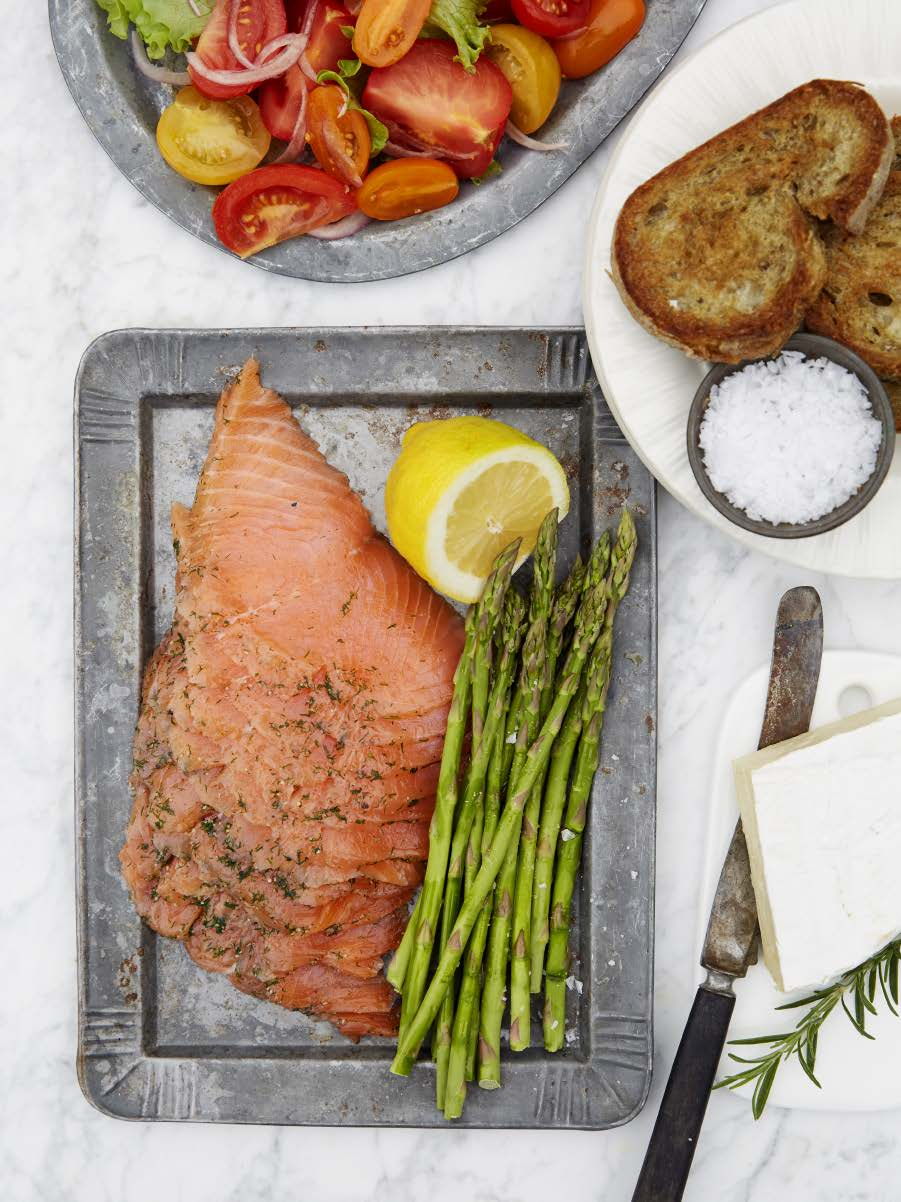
column 158, row 1037
column 121, row 108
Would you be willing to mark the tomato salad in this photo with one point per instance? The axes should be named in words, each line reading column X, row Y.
column 383, row 106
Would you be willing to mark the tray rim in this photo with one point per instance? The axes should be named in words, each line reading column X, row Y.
column 176, row 1072
column 396, row 257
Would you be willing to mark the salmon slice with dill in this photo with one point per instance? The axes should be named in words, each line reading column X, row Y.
column 291, row 726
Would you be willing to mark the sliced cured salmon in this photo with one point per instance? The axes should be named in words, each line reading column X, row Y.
column 291, row 726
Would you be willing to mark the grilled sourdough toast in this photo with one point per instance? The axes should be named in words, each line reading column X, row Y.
column 860, row 304
column 717, row 254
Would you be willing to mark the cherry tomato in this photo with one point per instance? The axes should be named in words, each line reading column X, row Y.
column 273, row 204
column 279, row 99
column 611, row 24
column 259, row 21
column 407, row 186
column 386, row 29
column 339, row 139
column 552, row 18
column 211, row 141
column 532, row 71
column 431, row 103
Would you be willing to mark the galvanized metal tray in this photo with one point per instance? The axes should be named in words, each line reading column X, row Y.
column 158, row 1037
column 122, row 109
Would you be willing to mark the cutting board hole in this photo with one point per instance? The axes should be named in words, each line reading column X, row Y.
column 853, row 699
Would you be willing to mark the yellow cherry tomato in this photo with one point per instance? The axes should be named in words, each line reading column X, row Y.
column 532, row 70
column 211, row 141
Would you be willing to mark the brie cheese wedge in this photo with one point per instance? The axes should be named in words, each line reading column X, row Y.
column 822, row 819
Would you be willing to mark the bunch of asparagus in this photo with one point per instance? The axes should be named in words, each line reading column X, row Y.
column 506, row 835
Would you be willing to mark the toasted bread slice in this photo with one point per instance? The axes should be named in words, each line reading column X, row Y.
column 860, row 304
column 717, row 254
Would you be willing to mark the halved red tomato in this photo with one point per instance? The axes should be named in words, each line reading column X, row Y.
column 259, row 21
column 431, row 104
column 279, row 99
column 338, row 135
column 552, row 18
column 273, row 204
column 327, row 43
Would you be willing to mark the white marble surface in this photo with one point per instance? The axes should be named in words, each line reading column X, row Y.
column 82, row 253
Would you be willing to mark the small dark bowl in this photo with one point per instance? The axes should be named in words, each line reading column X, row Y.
column 814, row 347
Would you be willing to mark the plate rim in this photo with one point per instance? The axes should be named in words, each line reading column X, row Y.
column 597, row 259
column 315, row 265
column 714, row 850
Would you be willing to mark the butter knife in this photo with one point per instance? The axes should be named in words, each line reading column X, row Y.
column 731, row 943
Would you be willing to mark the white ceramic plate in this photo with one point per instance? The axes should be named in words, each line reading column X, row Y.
column 855, row 1073
column 649, row 385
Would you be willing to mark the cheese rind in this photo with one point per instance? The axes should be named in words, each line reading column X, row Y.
column 822, row 819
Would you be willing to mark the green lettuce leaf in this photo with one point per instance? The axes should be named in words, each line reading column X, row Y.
column 459, row 19
column 163, row 24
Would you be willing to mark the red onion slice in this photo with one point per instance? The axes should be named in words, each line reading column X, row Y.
column 279, row 43
column 351, row 224
column 309, row 18
column 403, row 152
column 515, row 133
column 298, row 143
column 197, row 10
column 158, row 74
column 234, row 45
column 308, row 69
column 271, row 69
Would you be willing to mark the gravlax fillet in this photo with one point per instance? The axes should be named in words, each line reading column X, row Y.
column 291, row 727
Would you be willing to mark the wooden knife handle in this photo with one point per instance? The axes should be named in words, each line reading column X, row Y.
column 675, row 1137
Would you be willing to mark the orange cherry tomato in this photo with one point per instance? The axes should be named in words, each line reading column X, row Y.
column 407, row 186
column 386, row 29
column 611, row 24
column 339, row 140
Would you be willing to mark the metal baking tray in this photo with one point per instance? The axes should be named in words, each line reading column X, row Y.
column 122, row 110
column 158, row 1038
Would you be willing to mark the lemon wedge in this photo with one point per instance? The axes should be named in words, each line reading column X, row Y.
column 463, row 489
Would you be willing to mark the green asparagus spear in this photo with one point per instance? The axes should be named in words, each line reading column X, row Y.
column 453, row 1094
column 473, row 792
column 549, row 830
column 565, row 602
column 520, row 1001
column 554, row 797
column 399, row 962
column 528, row 706
column 470, row 989
column 569, row 850
column 441, row 827
column 588, row 624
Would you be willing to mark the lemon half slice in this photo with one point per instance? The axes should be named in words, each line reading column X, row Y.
column 461, row 490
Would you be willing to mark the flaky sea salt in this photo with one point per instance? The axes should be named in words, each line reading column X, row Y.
column 789, row 439
column 566, row 834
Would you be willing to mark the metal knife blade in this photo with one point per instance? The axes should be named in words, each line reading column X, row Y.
column 730, row 945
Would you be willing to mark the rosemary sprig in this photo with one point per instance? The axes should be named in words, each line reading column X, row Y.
column 859, row 985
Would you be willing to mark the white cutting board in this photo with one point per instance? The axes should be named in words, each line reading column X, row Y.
column 855, row 1073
